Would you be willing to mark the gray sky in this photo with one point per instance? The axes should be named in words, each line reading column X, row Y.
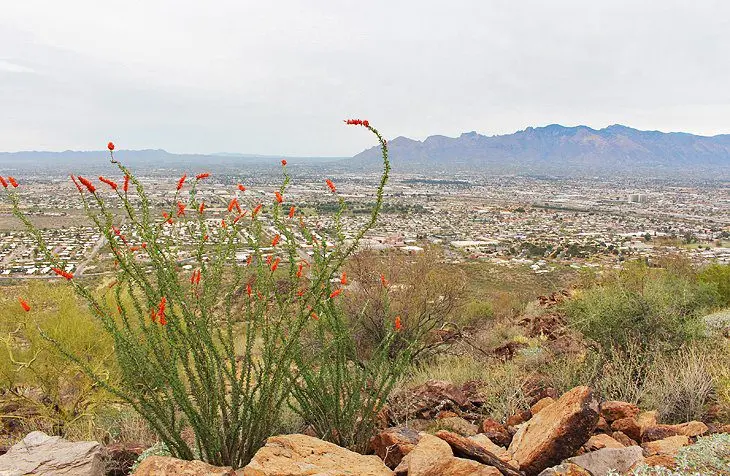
column 277, row 77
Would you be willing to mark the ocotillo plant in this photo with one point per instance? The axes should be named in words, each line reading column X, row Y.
column 212, row 352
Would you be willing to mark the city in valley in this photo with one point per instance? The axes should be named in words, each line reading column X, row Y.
column 542, row 224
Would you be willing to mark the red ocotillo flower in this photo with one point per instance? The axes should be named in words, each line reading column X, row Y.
column 110, row 146
column 180, row 208
column 249, row 260
column 234, row 204
column 223, row 223
column 240, row 215
column 201, row 207
column 205, row 237
column 241, row 187
column 275, row 264
column 279, row 198
column 86, row 183
column 153, row 314
column 335, row 293
column 299, row 270
column 249, row 289
column 331, row 185
column 398, row 325
column 12, row 181
column 3, row 182
column 202, row 176
column 181, row 181
column 118, row 232
column 343, row 279
column 125, row 187
column 291, row 211
column 283, row 162
column 111, row 183
column 63, row 273
column 167, row 217
column 383, row 281
column 358, row 122
column 161, row 309
column 275, row 241
column 24, row 304
column 256, row 210
column 163, row 320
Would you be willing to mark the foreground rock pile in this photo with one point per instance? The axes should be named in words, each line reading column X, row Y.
column 569, row 435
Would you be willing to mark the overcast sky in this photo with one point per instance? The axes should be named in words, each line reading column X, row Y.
column 277, row 77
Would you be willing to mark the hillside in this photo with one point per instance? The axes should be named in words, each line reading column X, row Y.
column 562, row 150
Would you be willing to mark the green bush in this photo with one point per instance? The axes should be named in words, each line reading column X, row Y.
column 718, row 275
column 643, row 305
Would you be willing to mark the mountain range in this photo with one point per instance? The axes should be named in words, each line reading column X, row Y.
column 557, row 149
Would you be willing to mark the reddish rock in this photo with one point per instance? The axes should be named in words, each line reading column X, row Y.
column 488, row 445
column 647, row 419
column 428, row 400
column 166, row 466
column 557, row 432
column 433, row 457
column 628, row 426
column 393, row 444
column 519, row 418
column 603, row 426
column 496, row 432
column 658, row 432
column 542, row 403
column 623, row 439
column 120, row 457
column 446, row 414
column 663, row 460
column 539, row 392
column 600, row 441
column 615, row 410
column 692, row 429
column 668, row 446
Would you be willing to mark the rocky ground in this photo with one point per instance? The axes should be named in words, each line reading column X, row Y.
column 573, row 434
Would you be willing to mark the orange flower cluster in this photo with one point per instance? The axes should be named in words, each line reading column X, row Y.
column 291, row 211
column 398, row 325
column 180, row 209
column 331, row 185
column 63, row 273
column 201, row 207
column 256, row 210
column 383, row 281
column 335, row 293
column 275, row 241
column 202, row 176
column 87, row 183
column 3, row 182
column 240, row 215
column 357, row 122
column 241, row 187
column 279, row 198
column 275, row 264
column 24, row 304
column 195, row 278
column 167, row 217
column 343, row 279
column 181, row 181
column 234, row 204
column 283, row 162
column 111, row 183
column 12, row 182
column 125, row 187
column 110, row 146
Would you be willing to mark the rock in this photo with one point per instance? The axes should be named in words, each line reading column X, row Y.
column 647, row 419
column 542, row 403
column 557, row 432
column 538, row 393
column 120, row 457
column 431, row 398
column 565, row 469
column 668, row 446
column 628, row 426
column 498, row 451
column 496, row 432
column 658, row 432
column 615, row 410
column 623, row 439
column 458, row 425
column 599, row 463
column 428, row 453
column 600, row 441
column 296, row 455
column 393, row 444
column 692, row 429
column 663, row 460
column 465, row 467
column 603, row 425
column 519, row 418
column 467, row 448
column 39, row 453
column 167, row 466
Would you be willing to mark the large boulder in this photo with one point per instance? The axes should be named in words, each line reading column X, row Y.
column 557, row 432
column 668, row 446
column 432, row 456
column 628, row 426
column 167, row 466
column 39, row 453
column 392, row 444
column 600, row 441
column 601, row 462
column 300, row 455
column 614, row 410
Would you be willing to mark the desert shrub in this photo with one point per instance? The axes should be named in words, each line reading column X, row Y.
column 43, row 391
column 412, row 287
column 681, row 385
column 478, row 312
column 642, row 305
column 207, row 359
column 718, row 275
